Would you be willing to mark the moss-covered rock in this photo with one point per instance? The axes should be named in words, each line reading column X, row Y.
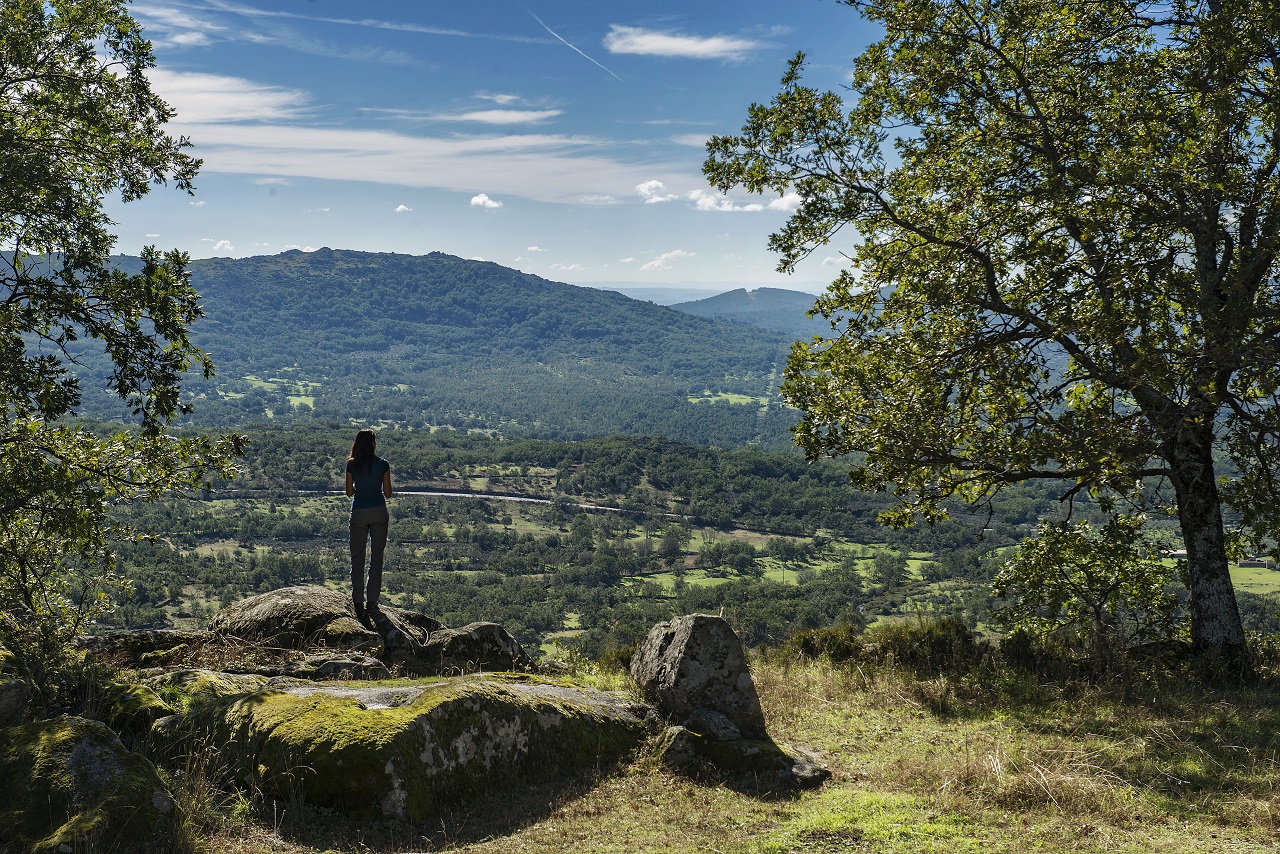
column 15, row 700
column 337, row 665
column 130, row 707
column 180, row 688
column 68, row 784
column 409, row 749
column 141, row 648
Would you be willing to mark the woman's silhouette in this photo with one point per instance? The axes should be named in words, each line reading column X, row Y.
column 369, row 485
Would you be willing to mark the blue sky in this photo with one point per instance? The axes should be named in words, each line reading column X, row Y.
column 561, row 138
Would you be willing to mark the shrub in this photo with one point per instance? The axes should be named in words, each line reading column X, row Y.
column 926, row 645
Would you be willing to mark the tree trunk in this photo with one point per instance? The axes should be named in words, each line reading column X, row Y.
column 1215, row 618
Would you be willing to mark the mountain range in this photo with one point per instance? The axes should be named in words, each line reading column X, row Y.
column 771, row 308
column 440, row 341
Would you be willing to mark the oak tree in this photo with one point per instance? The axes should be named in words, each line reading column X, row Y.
column 1062, row 224
column 78, row 122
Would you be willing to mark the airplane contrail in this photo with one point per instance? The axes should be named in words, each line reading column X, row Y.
column 566, row 43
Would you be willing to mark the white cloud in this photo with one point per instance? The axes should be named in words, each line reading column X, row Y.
column 280, row 182
column 705, row 201
column 663, row 261
column 403, row 209
column 170, row 26
column 568, row 268
column 303, row 248
column 316, row 210
column 499, row 98
column 199, row 98
column 638, row 40
column 789, row 202
column 153, row 234
column 223, row 246
column 498, row 117
column 482, row 200
column 653, row 194
column 167, row 26
column 697, row 140
column 554, row 168
column 198, row 204
column 626, row 260
column 833, row 261
column 535, row 249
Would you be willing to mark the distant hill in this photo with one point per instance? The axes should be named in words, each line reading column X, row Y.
column 678, row 292
column 436, row 340
column 657, row 294
column 771, row 308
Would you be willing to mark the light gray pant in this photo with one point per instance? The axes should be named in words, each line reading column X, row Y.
column 368, row 524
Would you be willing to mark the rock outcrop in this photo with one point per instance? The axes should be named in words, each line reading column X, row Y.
column 694, row 670
column 68, row 784
column 297, row 618
column 697, row 663
column 15, row 698
column 475, row 648
column 408, row 750
column 270, row 633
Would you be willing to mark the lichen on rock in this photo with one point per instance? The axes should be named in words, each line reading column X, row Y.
column 68, row 784
column 409, row 750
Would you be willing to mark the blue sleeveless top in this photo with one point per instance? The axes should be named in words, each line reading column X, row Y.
column 368, row 484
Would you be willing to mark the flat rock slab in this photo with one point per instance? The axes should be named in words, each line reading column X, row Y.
column 407, row 751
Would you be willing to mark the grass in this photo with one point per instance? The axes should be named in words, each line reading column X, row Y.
column 727, row 397
column 920, row 765
column 1256, row 579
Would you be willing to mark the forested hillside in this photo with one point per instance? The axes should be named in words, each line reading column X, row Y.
column 437, row 340
column 770, row 308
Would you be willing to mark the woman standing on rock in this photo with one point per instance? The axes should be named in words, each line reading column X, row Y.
column 369, row 486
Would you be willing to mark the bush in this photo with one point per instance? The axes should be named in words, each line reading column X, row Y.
column 926, row 645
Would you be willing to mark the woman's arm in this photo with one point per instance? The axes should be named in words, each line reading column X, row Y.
column 386, row 483
column 351, row 485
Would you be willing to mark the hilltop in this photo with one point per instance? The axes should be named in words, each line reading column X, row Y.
column 770, row 308
column 437, row 340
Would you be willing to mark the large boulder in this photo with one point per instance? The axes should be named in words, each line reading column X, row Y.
column 131, row 708
column 407, row 751
column 194, row 684
column 143, row 647
column 297, row 618
column 475, row 648
column 696, row 663
column 694, row 670
column 15, row 699
column 68, row 784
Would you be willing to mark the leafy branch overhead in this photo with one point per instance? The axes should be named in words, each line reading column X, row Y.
column 1064, row 221
column 78, row 122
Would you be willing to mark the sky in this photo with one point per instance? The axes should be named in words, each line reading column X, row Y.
column 564, row 138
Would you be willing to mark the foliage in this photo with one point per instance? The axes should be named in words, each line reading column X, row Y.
column 78, row 120
column 925, row 645
column 1067, row 263
column 1105, row 586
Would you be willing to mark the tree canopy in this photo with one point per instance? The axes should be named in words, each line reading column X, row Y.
column 1066, row 219
column 78, row 121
